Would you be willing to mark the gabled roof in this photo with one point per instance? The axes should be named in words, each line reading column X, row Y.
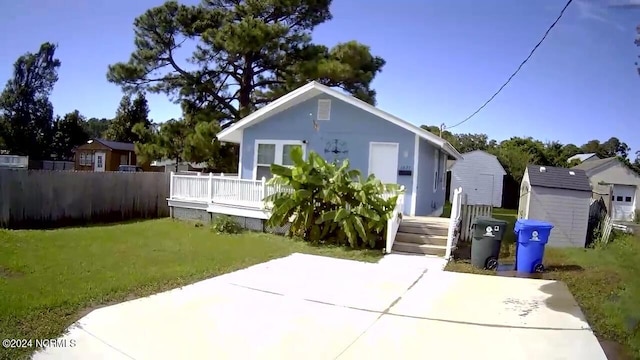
column 592, row 164
column 312, row 89
column 558, row 178
column 582, row 157
column 115, row 145
column 452, row 163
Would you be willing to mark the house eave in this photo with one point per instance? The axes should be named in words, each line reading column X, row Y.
column 308, row 91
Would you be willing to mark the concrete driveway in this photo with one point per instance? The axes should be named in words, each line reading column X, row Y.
column 313, row 307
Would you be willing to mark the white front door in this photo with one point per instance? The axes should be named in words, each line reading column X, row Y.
column 98, row 161
column 623, row 202
column 383, row 161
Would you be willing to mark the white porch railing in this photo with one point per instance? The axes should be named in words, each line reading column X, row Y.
column 454, row 223
column 394, row 221
column 221, row 189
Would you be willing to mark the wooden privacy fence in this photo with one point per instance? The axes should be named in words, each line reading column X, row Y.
column 469, row 214
column 43, row 199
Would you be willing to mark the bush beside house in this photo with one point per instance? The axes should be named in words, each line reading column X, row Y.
column 330, row 204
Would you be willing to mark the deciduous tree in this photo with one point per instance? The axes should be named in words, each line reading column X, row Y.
column 26, row 114
column 68, row 132
column 96, row 128
column 168, row 142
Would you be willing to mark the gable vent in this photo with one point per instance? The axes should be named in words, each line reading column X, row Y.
column 324, row 109
column 572, row 173
column 543, row 169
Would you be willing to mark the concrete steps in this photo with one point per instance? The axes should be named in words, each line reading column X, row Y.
column 425, row 249
column 422, row 239
column 422, row 235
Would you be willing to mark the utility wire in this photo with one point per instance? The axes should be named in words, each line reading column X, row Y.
column 517, row 70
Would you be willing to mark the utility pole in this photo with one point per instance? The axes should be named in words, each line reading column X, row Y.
column 442, row 126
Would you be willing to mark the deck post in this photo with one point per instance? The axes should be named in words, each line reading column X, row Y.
column 171, row 185
column 210, row 190
column 263, row 187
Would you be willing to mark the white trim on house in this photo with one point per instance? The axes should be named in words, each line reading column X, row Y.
column 414, row 186
column 189, row 204
column 279, row 144
column 238, row 211
column 308, row 91
column 395, row 144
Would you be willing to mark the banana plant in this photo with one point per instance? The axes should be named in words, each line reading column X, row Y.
column 329, row 203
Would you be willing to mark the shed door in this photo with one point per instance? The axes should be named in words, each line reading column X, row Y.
column 481, row 190
column 383, row 161
column 623, row 202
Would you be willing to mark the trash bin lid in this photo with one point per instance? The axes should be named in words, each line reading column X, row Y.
column 486, row 220
column 522, row 224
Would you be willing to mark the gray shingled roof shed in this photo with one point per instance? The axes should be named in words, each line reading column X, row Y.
column 560, row 196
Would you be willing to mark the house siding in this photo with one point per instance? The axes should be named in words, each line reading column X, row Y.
column 352, row 126
column 567, row 210
column 465, row 173
column 427, row 201
column 615, row 173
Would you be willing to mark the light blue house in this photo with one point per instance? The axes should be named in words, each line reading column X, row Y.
column 339, row 126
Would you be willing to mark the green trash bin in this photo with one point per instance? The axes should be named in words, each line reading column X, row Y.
column 485, row 245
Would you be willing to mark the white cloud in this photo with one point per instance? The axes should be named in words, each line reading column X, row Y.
column 597, row 10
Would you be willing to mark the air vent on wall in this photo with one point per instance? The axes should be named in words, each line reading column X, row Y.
column 324, row 109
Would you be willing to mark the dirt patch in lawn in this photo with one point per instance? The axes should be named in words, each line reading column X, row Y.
column 7, row 273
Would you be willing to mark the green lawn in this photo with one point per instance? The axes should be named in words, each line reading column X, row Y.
column 49, row 278
column 605, row 281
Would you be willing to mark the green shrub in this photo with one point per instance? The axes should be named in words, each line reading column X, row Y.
column 329, row 204
column 225, row 224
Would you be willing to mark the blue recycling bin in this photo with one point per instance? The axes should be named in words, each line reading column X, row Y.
column 531, row 238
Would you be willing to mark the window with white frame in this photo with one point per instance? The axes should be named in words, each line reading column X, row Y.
column 86, row 159
column 273, row 152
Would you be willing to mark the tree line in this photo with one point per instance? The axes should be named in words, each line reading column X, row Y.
column 516, row 153
column 27, row 122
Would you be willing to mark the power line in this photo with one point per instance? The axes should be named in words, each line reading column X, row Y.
column 517, row 70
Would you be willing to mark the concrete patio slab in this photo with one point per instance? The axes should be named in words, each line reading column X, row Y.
column 493, row 300
column 313, row 307
column 394, row 337
column 367, row 286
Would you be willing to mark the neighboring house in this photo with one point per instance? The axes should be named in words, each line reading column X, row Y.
column 560, row 196
column 14, row 162
column 104, row 155
column 339, row 126
column 583, row 157
column 481, row 176
column 617, row 181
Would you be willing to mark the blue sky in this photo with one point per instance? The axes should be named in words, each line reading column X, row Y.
column 444, row 59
